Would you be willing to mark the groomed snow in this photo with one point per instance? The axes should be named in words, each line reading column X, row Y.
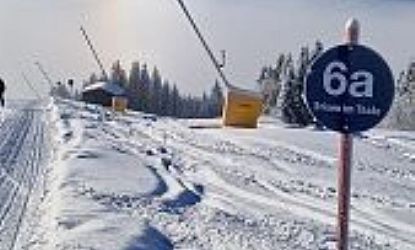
column 131, row 182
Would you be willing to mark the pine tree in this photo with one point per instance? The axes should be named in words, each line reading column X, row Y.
column 175, row 102
column 269, row 85
column 144, row 89
column 155, row 92
column 288, row 96
column 279, row 67
column 402, row 114
column 216, row 101
column 303, row 113
column 118, row 75
column 293, row 108
column 92, row 79
column 317, row 51
column 303, row 62
column 190, row 107
column 133, row 89
column 270, row 82
column 165, row 100
column 204, row 104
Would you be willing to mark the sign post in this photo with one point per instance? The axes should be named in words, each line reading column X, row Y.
column 349, row 88
column 352, row 33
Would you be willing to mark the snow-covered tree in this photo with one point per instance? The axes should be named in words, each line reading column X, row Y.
column 317, row 50
column 283, row 85
column 287, row 96
column 402, row 114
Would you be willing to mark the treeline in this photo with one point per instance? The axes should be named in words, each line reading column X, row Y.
column 282, row 86
column 402, row 114
column 149, row 92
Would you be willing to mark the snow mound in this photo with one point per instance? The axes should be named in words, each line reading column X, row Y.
column 110, row 172
column 94, row 178
column 116, row 232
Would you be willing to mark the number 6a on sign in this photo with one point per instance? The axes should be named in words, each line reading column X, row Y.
column 336, row 83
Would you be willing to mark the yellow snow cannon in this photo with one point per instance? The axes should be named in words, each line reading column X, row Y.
column 242, row 107
column 119, row 104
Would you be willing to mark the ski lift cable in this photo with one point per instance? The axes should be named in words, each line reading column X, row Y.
column 205, row 45
column 94, row 52
column 45, row 75
column 26, row 80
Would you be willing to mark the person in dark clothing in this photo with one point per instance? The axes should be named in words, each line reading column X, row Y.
column 2, row 89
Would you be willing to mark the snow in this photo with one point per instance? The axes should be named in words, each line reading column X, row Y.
column 107, row 86
column 23, row 153
column 89, row 173
column 128, row 182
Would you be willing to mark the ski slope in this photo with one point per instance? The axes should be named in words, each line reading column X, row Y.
column 135, row 181
column 22, row 150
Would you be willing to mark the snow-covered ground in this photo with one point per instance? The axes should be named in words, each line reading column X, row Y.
column 23, row 151
column 137, row 182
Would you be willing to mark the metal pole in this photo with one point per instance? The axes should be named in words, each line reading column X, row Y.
column 205, row 44
column 94, row 52
column 345, row 162
column 30, row 85
column 45, row 75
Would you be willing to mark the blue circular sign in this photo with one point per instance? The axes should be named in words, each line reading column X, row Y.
column 349, row 88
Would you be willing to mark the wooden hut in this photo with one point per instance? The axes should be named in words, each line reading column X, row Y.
column 102, row 93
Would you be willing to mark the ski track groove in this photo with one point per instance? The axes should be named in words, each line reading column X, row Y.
column 22, row 140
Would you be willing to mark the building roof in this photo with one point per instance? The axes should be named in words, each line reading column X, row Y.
column 108, row 87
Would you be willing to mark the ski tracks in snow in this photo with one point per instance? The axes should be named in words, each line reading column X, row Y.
column 21, row 153
column 230, row 189
column 266, row 179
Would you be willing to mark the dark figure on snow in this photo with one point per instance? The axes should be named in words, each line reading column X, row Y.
column 2, row 89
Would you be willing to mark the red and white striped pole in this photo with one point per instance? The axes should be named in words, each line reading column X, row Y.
column 352, row 33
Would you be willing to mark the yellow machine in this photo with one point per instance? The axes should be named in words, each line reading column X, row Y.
column 119, row 104
column 242, row 107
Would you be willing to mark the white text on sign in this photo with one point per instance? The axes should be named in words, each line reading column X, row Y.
column 346, row 109
column 359, row 85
